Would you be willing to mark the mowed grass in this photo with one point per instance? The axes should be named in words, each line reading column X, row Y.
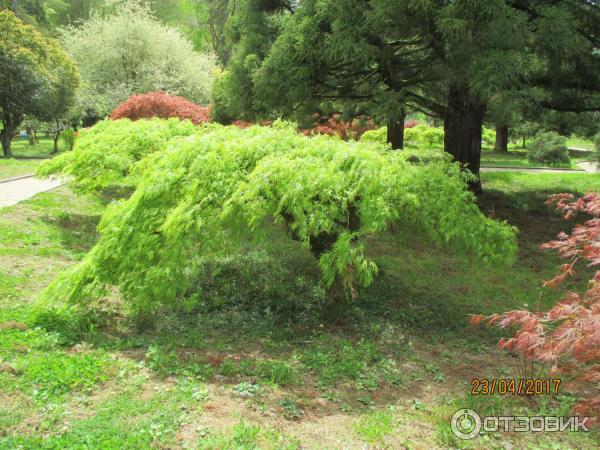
column 10, row 168
column 517, row 157
column 41, row 149
column 254, row 366
column 579, row 142
column 26, row 157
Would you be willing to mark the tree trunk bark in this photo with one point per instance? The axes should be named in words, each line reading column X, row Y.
column 501, row 144
column 30, row 135
column 56, row 136
column 395, row 132
column 6, row 138
column 55, row 139
column 462, row 131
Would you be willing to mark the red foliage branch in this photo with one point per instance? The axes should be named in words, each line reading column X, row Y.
column 334, row 126
column 568, row 335
column 411, row 124
column 160, row 104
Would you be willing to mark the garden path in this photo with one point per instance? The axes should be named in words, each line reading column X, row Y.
column 14, row 190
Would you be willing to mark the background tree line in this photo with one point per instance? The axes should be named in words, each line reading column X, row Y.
column 461, row 63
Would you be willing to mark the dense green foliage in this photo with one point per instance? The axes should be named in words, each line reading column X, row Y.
column 109, row 151
column 455, row 60
column 424, row 136
column 68, row 137
column 36, row 77
column 488, row 137
column 202, row 193
column 549, row 148
column 252, row 30
column 131, row 52
column 379, row 135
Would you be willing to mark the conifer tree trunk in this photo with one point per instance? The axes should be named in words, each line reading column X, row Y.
column 462, row 130
column 501, row 144
column 395, row 132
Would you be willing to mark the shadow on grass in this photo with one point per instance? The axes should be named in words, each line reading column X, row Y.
column 115, row 192
column 76, row 232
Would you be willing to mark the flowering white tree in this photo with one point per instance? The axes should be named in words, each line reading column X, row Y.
column 132, row 52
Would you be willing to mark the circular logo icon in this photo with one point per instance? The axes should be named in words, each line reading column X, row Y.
column 465, row 424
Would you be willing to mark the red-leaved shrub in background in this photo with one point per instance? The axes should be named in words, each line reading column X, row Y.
column 160, row 104
column 332, row 126
column 568, row 335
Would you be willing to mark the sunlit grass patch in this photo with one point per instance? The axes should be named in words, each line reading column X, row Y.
column 373, row 427
column 248, row 436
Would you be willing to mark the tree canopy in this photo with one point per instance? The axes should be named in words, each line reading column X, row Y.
column 131, row 52
column 449, row 59
column 37, row 78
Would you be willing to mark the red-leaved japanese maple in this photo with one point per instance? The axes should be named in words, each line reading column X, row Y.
column 160, row 104
column 334, row 126
column 568, row 335
column 411, row 124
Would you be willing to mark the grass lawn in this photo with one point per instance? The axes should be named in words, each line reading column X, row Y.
column 43, row 149
column 517, row 157
column 578, row 142
column 246, row 372
column 10, row 168
column 33, row 154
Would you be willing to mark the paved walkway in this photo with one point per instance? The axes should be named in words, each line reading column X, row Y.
column 582, row 167
column 14, row 191
column 527, row 170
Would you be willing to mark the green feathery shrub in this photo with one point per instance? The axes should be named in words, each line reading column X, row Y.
column 488, row 137
column 424, row 136
column 68, row 137
column 202, row 194
column 378, row 136
column 108, row 152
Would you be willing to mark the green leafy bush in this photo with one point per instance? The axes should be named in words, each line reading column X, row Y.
column 424, row 136
column 378, row 136
column 68, row 138
column 216, row 188
column 109, row 151
column 549, row 148
column 488, row 137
